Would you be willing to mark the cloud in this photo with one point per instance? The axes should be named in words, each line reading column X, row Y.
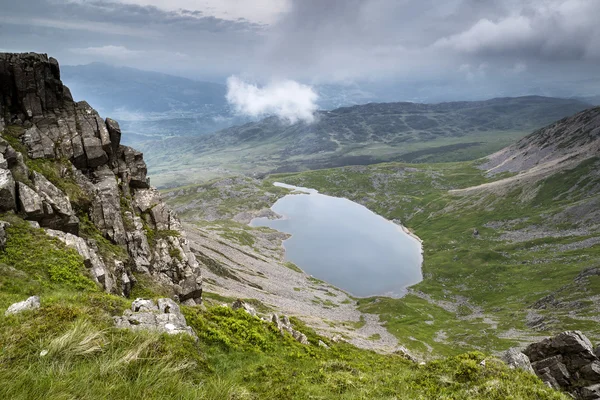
column 289, row 100
column 110, row 51
column 565, row 30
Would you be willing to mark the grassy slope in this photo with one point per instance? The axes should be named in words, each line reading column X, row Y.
column 236, row 357
column 501, row 279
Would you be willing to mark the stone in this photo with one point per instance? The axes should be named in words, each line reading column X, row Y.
column 191, row 288
column 591, row 372
column 39, row 145
column 323, row 345
column 32, row 303
column 590, row 392
column 515, row 359
column 141, row 305
column 58, row 213
column 106, row 206
column 149, row 202
column 7, row 191
column 131, row 168
column 29, row 202
column 163, row 317
column 244, row 306
column 566, row 362
column 3, row 235
column 114, row 130
column 284, row 325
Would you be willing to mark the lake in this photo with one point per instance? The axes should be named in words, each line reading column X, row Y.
column 346, row 244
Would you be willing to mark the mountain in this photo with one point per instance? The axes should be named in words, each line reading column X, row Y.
column 151, row 104
column 102, row 295
column 357, row 135
column 510, row 248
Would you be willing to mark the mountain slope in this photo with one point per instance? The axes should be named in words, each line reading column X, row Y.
column 501, row 268
column 81, row 228
column 363, row 134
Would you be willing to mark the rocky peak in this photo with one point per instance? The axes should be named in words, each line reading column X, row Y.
column 61, row 164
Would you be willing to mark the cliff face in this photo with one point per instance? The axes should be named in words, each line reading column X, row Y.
column 62, row 166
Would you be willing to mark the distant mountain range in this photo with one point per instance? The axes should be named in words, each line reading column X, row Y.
column 364, row 134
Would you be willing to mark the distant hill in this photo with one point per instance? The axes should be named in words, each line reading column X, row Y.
column 357, row 135
column 151, row 104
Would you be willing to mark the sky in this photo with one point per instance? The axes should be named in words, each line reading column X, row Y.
column 418, row 50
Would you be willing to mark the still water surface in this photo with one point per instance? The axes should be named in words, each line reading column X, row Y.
column 346, row 244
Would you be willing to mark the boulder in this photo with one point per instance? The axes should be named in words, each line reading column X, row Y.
column 244, row 306
column 517, row 360
column 30, row 202
column 114, row 131
column 58, row 213
column 31, row 303
column 7, row 191
column 164, row 317
column 567, row 362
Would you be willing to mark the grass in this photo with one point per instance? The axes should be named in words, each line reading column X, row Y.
column 69, row 348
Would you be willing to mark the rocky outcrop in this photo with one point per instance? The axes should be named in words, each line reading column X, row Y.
column 164, row 316
column 112, row 178
column 31, row 303
column 517, row 360
column 102, row 274
column 239, row 304
column 284, row 325
column 567, row 362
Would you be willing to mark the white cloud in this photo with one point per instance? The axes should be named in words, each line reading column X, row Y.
column 289, row 100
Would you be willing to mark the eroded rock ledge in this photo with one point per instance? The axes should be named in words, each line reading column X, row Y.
column 105, row 186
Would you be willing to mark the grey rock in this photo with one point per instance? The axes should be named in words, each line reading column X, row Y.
column 3, row 234
column 114, row 130
column 566, row 362
column 7, row 191
column 39, row 145
column 31, row 303
column 142, row 305
column 131, row 168
column 590, row 392
column 106, row 207
column 58, row 213
column 515, row 359
column 164, row 317
column 149, row 202
column 283, row 325
column 30, row 202
column 322, row 344
column 244, row 306
column 591, row 372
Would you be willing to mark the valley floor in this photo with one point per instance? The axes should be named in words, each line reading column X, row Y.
column 529, row 271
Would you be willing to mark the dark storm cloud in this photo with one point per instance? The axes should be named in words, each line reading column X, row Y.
column 481, row 46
